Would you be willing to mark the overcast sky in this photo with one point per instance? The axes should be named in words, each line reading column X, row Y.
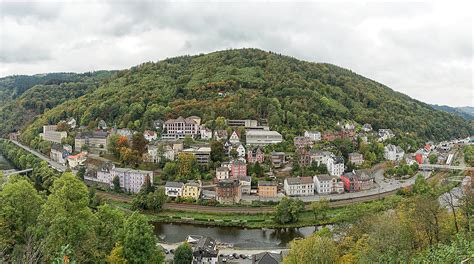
column 422, row 49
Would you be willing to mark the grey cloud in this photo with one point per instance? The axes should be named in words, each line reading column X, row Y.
column 418, row 48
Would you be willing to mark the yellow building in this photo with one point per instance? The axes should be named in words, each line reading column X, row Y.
column 192, row 189
column 267, row 189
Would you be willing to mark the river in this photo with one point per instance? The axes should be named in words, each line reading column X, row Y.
column 5, row 164
column 243, row 238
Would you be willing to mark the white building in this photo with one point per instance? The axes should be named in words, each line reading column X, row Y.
column 263, row 137
column 222, row 173
column 393, row 153
column 320, row 157
column 335, row 166
column 181, row 127
column 240, row 150
column 131, row 180
column 245, row 184
column 313, row 135
column 50, row 134
column 323, row 184
column 58, row 154
column 206, row 133
column 385, row 134
column 299, row 186
column 234, row 138
column 174, row 189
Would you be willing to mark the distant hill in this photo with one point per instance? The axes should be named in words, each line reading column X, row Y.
column 290, row 94
column 465, row 112
column 22, row 98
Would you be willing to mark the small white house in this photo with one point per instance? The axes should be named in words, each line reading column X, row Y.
column 206, row 133
column 335, row 166
column 222, row 173
column 240, row 150
column 313, row 135
column 174, row 189
column 393, row 153
column 322, row 183
column 234, row 138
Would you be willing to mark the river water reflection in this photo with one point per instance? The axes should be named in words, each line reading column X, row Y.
column 238, row 237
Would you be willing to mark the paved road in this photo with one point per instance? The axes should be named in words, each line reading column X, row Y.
column 59, row 167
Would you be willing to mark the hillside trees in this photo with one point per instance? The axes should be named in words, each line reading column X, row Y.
column 288, row 210
column 20, row 206
column 290, row 95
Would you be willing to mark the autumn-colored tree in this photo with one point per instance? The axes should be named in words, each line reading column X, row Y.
column 314, row 249
column 129, row 156
column 63, row 126
column 116, row 255
column 186, row 167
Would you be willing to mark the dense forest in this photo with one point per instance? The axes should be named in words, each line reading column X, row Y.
column 291, row 95
column 22, row 98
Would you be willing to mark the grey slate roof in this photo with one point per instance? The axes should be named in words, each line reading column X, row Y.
column 267, row 258
column 174, row 184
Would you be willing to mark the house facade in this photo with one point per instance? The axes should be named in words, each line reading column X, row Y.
column 393, row 153
column 132, row 180
column 181, row 127
column 299, row 186
column 323, row 183
column 58, row 154
column 95, row 141
column 228, row 191
column 174, row 189
column 335, row 166
column 278, row 159
column 267, row 189
column 356, row 158
column 150, row 135
column 255, row 155
column 302, row 142
column 238, row 168
column 234, row 138
column 77, row 160
column 245, row 184
column 222, row 173
column 313, row 135
column 192, row 189
column 262, row 137
column 50, row 134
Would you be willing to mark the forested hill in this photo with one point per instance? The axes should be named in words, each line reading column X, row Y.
column 22, row 98
column 290, row 94
column 464, row 112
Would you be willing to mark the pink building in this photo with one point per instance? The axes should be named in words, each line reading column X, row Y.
column 255, row 155
column 238, row 168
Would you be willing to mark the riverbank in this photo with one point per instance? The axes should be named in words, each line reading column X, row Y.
column 263, row 219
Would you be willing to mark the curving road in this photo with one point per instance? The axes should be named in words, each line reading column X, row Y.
column 58, row 166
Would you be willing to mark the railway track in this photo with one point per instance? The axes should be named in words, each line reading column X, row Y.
column 242, row 210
